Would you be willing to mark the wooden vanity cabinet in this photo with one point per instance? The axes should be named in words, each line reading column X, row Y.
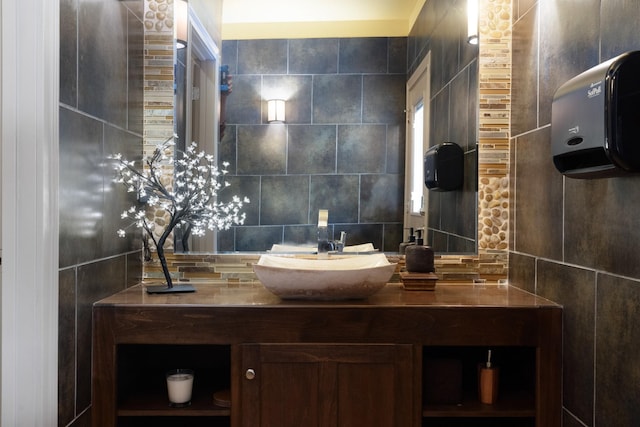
column 384, row 361
column 325, row 385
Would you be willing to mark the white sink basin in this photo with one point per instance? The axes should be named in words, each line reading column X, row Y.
column 339, row 277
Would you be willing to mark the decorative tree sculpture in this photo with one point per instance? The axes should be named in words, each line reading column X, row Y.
column 190, row 198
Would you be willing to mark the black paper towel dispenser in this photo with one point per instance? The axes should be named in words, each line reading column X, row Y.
column 444, row 167
column 595, row 120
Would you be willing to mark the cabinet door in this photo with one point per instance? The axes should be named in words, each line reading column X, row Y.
column 325, row 385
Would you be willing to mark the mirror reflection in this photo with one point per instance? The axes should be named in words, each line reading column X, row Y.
column 342, row 145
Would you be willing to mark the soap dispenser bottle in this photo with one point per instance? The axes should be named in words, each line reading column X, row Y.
column 412, row 241
column 419, row 258
column 488, row 376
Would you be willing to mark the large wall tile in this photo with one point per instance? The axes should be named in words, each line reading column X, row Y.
column 617, row 365
column 363, row 55
column 244, row 186
column 381, row 198
column 303, row 234
column 561, row 61
column 81, row 186
column 244, row 104
column 135, row 72
column 337, row 99
column 538, row 208
column 66, row 345
column 69, row 52
column 362, row 148
column 524, row 100
column 262, row 150
column 384, row 98
column 595, row 219
column 439, row 130
column 338, row 194
column 116, row 197
column 363, row 233
column 460, row 121
column 311, row 149
column 396, row 142
column 227, row 149
column 230, row 55
column 257, row 238
column 397, row 55
column 102, row 60
column 284, row 200
column 522, row 271
column 313, row 56
column 618, row 27
column 95, row 281
column 262, row 57
column 574, row 288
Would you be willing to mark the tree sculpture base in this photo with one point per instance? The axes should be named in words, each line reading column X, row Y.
column 164, row 289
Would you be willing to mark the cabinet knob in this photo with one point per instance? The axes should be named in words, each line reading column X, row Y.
column 250, row 374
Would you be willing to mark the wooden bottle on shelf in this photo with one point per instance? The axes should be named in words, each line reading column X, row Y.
column 488, row 382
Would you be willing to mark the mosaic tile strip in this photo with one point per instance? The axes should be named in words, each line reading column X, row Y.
column 158, row 15
column 494, row 124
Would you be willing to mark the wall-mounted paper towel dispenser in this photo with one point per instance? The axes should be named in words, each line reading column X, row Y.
column 444, row 167
column 595, row 120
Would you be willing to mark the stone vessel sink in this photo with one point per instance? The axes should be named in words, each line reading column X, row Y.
column 338, row 277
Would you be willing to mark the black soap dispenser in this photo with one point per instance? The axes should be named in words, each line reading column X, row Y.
column 419, row 258
column 411, row 241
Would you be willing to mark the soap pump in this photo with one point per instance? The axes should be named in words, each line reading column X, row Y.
column 419, row 258
column 488, row 381
column 412, row 241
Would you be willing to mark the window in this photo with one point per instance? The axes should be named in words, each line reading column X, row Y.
column 416, row 195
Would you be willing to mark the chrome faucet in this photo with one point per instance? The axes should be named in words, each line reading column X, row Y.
column 339, row 244
column 324, row 244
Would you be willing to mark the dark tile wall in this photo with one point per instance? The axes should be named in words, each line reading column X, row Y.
column 341, row 148
column 576, row 241
column 101, row 82
column 441, row 28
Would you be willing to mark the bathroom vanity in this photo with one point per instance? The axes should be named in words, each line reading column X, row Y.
column 398, row 358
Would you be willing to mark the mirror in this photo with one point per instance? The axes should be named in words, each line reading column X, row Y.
column 197, row 96
column 239, row 139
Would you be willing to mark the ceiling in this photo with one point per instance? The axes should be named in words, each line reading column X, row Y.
column 266, row 19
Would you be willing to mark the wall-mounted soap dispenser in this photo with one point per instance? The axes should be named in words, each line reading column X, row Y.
column 444, row 167
column 595, row 120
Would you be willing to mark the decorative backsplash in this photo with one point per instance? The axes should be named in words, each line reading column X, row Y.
column 237, row 268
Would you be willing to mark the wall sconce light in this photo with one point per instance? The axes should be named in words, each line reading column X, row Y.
column 275, row 110
column 472, row 22
column 180, row 23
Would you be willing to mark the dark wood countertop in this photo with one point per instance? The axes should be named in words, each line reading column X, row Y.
column 249, row 313
column 253, row 294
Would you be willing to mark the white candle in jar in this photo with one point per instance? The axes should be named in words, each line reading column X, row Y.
column 179, row 385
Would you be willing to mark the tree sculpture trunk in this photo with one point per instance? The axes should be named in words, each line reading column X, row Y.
column 163, row 262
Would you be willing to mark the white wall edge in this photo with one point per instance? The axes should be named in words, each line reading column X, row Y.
column 29, row 289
